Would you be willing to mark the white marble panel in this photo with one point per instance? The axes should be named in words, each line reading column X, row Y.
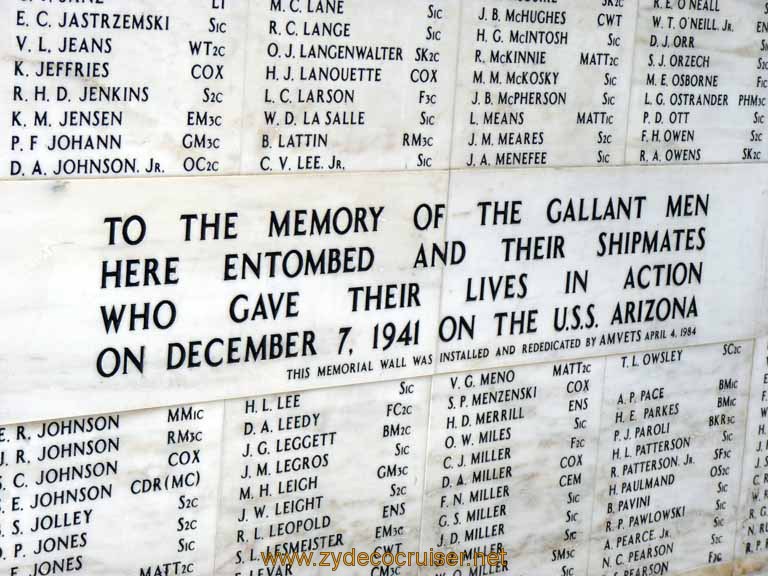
column 752, row 535
column 112, row 495
column 221, row 287
column 511, row 466
column 127, row 88
column 582, row 262
column 349, row 85
column 668, row 473
column 542, row 83
column 700, row 83
column 332, row 470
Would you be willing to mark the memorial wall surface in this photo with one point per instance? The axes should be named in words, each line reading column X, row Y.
column 339, row 277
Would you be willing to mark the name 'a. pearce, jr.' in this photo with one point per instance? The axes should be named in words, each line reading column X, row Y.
column 320, row 222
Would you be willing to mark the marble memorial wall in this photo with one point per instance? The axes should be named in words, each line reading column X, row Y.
column 331, row 275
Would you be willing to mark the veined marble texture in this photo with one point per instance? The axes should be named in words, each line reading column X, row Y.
column 332, row 470
column 751, row 553
column 603, row 465
column 205, row 289
column 544, row 85
column 668, row 472
column 235, row 287
column 353, row 86
column 633, row 259
column 699, row 83
column 130, row 89
column 429, row 289
column 511, row 464
column 128, row 493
